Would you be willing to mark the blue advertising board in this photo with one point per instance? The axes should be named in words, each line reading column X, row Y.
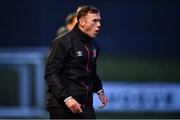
column 127, row 97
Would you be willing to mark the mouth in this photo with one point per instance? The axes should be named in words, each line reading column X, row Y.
column 96, row 31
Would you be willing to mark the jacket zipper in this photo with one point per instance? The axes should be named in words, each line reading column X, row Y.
column 87, row 64
column 86, row 94
column 87, row 69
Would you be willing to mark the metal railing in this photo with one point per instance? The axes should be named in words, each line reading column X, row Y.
column 20, row 60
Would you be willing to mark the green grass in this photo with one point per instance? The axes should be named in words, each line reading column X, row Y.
column 139, row 69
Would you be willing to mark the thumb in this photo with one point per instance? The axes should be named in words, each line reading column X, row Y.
column 102, row 105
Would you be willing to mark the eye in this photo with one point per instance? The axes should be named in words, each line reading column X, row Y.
column 96, row 20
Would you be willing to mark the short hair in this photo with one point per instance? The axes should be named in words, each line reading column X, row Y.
column 70, row 18
column 84, row 10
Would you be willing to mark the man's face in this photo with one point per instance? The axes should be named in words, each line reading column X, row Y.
column 91, row 24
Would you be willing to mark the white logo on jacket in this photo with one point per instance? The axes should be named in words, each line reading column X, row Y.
column 79, row 53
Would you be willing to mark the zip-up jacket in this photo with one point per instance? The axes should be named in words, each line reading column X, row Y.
column 71, row 67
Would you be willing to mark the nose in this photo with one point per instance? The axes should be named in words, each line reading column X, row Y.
column 98, row 24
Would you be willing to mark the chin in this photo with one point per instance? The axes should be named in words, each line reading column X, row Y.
column 93, row 36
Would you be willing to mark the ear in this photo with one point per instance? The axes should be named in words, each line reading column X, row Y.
column 81, row 22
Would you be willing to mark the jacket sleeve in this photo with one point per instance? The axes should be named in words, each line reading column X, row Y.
column 54, row 69
column 97, row 84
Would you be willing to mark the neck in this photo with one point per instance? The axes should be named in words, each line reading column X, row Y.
column 81, row 28
column 82, row 33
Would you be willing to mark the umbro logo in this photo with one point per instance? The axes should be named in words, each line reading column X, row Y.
column 79, row 53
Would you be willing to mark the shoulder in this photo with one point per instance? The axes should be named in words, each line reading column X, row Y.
column 62, row 40
column 61, row 30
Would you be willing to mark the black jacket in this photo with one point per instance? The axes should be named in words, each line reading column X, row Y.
column 71, row 67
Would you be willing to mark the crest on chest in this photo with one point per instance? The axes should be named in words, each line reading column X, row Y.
column 94, row 52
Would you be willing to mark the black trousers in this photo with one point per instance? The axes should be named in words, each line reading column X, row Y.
column 58, row 113
column 63, row 112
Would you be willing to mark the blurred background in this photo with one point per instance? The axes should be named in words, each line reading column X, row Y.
column 139, row 62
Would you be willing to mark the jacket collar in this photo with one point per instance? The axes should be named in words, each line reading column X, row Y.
column 84, row 37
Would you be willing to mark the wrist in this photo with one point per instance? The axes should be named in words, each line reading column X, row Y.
column 67, row 98
column 100, row 92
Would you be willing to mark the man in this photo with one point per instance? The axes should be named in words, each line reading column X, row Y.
column 71, row 69
column 70, row 23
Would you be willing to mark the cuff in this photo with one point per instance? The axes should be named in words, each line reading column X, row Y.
column 99, row 91
column 67, row 98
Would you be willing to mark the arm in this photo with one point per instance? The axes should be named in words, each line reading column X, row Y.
column 53, row 75
column 54, row 69
column 97, row 86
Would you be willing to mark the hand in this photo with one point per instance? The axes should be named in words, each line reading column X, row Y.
column 73, row 105
column 103, row 99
